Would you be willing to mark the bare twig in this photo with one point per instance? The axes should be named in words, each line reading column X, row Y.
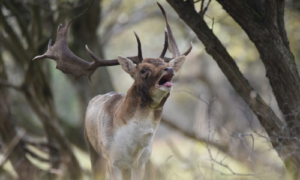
column 42, row 145
column 10, row 45
column 176, row 151
column 191, row 135
column 12, row 145
column 14, row 37
column 210, row 106
column 84, row 10
column 202, row 5
column 203, row 10
column 116, row 28
column 213, row 160
column 232, row 172
column 34, row 155
column 168, row 158
column 8, row 84
column 52, row 128
column 21, row 23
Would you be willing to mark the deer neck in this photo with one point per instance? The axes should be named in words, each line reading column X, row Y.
column 148, row 98
column 140, row 100
column 159, row 98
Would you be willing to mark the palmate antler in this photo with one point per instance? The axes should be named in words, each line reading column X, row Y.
column 69, row 63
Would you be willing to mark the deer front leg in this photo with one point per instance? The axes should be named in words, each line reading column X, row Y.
column 137, row 172
column 115, row 172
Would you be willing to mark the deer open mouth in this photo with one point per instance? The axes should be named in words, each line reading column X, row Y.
column 165, row 81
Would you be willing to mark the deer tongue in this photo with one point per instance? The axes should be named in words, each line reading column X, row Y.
column 168, row 84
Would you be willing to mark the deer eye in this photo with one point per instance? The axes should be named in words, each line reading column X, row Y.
column 143, row 71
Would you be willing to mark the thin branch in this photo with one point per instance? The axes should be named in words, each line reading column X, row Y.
column 9, row 85
column 22, row 24
column 191, row 135
column 91, row 1
column 197, row 1
column 41, row 145
column 16, row 54
column 12, row 34
column 115, row 28
column 52, row 128
column 202, row 6
column 203, row 10
column 12, row 145
column 232, row 172
column 34, row 155
column 210, row 106
column 213, row 160
column 38, row 20
column 176, row 151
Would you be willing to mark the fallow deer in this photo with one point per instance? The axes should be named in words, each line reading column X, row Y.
column 120, row 128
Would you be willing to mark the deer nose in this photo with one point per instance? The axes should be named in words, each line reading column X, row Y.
column 169, row 70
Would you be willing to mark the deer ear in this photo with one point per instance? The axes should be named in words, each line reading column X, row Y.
column 177, row 63
column 127, row 65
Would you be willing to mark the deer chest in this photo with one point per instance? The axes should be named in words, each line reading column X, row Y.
column 133, row 141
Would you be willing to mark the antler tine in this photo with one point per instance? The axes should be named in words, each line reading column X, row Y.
column 173, row 48
column 172, row 43
column 140, row 55
column 166, row 44
column 135, row 59
column 166, row 59
column 101, row 62
column 44, row 55
column 69, row 63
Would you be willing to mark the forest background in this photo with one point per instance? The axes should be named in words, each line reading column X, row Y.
column 209, row 128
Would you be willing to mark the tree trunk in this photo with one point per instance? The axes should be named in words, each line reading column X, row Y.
column 84, row 29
